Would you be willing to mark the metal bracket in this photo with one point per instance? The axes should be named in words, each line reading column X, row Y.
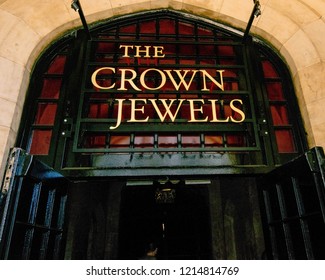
column 255, row 13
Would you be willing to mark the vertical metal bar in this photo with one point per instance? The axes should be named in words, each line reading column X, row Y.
column 255, row 13
column 302, row 220
column 29, row 234
column 285, row 226
column 269, row 216
column 47, row 224
column 59, row 226
column 319, row 188
column 316, row 159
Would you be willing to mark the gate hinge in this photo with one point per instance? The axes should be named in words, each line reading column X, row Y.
column 18, row 164
column 312, row 161
column 316, row 159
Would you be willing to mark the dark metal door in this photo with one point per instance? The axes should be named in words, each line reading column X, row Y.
column 293, row 197
column 32, row 209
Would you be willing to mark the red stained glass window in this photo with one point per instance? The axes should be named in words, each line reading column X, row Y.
column 190, row 141
column 284, row 138
column 120, row 141
column 51, row 88
column 269, row 70
column 279, row 115
column 167, row 26
column 278, row 108
column 46, row 113
column 95, row 141
column 167, row 141
column 275, row 91
column 57, row 65
column 143, row 141
column 98, row 111
column 46, row 106
column 41, row 140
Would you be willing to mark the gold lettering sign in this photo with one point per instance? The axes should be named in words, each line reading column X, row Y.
column 128, row 79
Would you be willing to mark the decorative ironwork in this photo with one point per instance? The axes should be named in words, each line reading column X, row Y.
column 165, row 195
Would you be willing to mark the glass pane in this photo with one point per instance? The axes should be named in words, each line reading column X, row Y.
column 167, row 141
column 57, row 65
column 186, row 29
column 226, row 51
column 41, row 141
column 128, row 29
column 284, row 139
column 98, row 111
column 269, row 70
column 143, row 141
column 120, row 141
column 167, row 26
column 51, row 88
column 148, row 27
column 46, row 113
column 279, row 114
column 275, row 91
column 236, row 141
column 190, row 141
column 95, row 141
column 103, row 47
column 213, row 141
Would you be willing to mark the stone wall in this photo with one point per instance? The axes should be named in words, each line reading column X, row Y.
column 295, row 28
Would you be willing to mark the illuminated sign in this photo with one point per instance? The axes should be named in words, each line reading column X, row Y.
column 126, row 79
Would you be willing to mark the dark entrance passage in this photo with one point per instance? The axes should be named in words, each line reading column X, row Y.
column 207, row 218
column 175, row 216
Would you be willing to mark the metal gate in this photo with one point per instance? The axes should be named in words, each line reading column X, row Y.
column 32, row 209
column 294, row 208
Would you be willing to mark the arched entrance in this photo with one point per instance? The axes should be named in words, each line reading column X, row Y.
column 161, row 95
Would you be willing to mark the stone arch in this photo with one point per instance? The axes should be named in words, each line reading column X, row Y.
column 291, row 27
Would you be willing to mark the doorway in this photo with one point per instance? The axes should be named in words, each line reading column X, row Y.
column 174, row 215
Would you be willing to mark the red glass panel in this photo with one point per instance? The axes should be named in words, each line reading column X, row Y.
column 143, row 141
column 231, row 86
column 213, row 141
column 236, row 141
column 128, row 29
column 41, row 141
column 275, row 91
column 95, row 141
column 51, row 88
column 167, row 141
column 98, row 111
column 190, row 141
column 269, row 70
column 187, row 50
column 279, row 114
column 205, row 32
column 285, row 141
column 226, row 51
column 167, row 26
column 120, row 141
column 185, row 29
column 104, row 58
column 104, row 47
column 187, row 61
column 228, row 61
column 46, row 113
column 57, row 65
column 148, row 27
